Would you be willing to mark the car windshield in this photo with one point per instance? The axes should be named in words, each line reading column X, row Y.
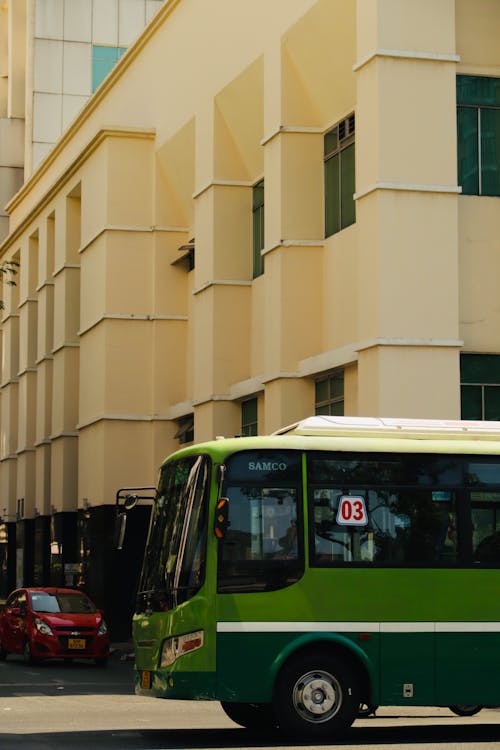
column 76, row 603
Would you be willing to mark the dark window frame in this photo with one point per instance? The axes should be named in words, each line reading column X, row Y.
column 478, row 152
column 331, row 405
column 258, row 218
column 249, row 423
column 339, row 147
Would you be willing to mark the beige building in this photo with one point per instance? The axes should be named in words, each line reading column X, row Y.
column 266, row 210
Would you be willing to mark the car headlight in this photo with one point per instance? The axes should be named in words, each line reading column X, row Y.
column 179, row 645
column 103, row 628
column 42, row 627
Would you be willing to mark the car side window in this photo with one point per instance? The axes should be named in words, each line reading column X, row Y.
column 11, row 601
column 22, row 603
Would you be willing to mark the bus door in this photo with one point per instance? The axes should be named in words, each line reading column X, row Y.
column 468, row 644
column 260, row 556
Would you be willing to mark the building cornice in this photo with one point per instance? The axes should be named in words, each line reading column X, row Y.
column 221, row 282
column 408, row 187
column 65, row 176
column 406, row 54
column 290, row 130
column 125, row 316
column 222, row 183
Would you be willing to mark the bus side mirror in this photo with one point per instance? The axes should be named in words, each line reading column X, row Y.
column 120, row 526
column 221, row 517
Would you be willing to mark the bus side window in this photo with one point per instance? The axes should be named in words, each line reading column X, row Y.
column 486, row 527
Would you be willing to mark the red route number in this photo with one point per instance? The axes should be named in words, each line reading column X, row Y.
column 352, row 511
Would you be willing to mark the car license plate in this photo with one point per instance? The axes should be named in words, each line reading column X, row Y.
column 146, row 679
column 76, row 643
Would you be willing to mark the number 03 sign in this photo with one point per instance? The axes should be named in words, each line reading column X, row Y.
column 352, row 511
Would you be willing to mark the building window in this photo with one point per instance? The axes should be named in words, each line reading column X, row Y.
column 330, row 394
column 340, row 209
column 258, row 228
column 185, row 432
column 249, row 425
column 480, row 386
column 478, row 131
column 103, row 60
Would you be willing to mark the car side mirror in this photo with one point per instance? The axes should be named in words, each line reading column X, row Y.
column 16, row 611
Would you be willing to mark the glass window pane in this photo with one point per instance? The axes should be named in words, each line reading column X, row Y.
column 258, row 194
column 490, row 152
column 322, row 392
column 404, row 527
column 472, row 402
column 480, row 368
column 258, row 241
column 478, row 90
column 249, row 410
column 347, row 181
column 337, row 385
column 485, row 532
column 322, row 410
column 331, row 142
column 332, row 196
column 468, row 151
column 337, row 409
column 492, row 402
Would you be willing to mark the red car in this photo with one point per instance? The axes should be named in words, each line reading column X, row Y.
column 53, row 623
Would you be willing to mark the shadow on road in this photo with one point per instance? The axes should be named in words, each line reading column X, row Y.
column 439, row 735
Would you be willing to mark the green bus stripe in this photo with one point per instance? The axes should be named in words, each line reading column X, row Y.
column 357, row 627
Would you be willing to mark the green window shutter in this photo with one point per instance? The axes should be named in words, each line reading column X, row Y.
column 348, row 206
column 480, row 369
column 468, row 150
column 249, row 424
column 258, row 228
column 329, row 395
column 339, row 176
column 492, row 402
column 490, row 151
column 471, row 402
column 332, row 195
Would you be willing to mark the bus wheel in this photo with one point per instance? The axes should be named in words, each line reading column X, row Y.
column 366, row 709
column 315, row 695
column 255, row 716
column 465, row 710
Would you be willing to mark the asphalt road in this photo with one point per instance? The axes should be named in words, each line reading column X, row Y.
column 79, row 706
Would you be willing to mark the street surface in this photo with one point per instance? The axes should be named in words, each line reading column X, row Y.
column 79, row 706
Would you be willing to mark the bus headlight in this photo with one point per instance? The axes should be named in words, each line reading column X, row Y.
column 179, row 645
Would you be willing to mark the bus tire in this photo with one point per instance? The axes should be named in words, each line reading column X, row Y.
column 258, row 717
column 365, row 710
column 465, row 710
column 316, row 695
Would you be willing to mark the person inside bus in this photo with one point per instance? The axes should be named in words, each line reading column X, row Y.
column 288, row 542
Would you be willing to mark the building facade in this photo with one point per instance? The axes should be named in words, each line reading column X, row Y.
column 265, row 210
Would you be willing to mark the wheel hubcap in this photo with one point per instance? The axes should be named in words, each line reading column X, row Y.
column 317, row 696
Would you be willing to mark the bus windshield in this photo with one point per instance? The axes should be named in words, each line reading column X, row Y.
column 174, row 563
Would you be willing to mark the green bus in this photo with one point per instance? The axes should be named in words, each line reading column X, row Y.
column 338, row 563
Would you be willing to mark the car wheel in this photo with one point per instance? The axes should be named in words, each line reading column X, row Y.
column 316, row 695
column 258, row 717
column 366, row 709
column 465, row 710
column 3, row 652
column 101, row 661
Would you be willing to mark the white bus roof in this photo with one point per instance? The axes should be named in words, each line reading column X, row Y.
column 327, row 426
